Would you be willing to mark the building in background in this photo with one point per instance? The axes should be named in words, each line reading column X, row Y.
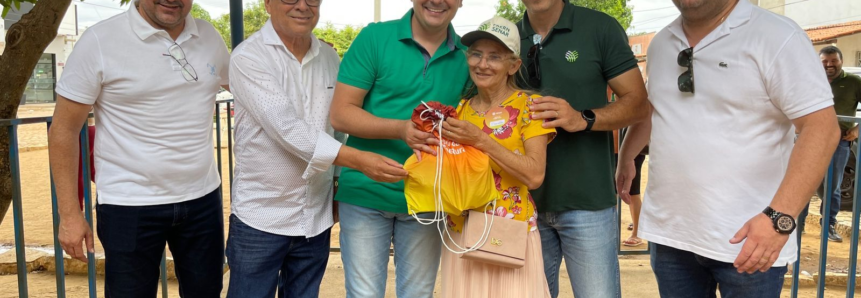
column 40, row 88
column 814, row 13
column 846, row 36
column 640, row 45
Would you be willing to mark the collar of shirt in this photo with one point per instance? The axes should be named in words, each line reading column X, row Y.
column 271, row 38
column 840, row 77
column 739, row 16
column 565, row 22
column 144, row 30
column 405, row 32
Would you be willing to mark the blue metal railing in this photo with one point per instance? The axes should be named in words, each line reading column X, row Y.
column 13, row 124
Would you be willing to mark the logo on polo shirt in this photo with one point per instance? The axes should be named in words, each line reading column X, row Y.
column 571, row 56
column 211, row 69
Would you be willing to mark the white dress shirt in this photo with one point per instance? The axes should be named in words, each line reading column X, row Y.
column 285, row 145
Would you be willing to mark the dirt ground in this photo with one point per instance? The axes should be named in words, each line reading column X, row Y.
column 637, row 279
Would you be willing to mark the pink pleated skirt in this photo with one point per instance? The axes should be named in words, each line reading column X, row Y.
column 472, row 279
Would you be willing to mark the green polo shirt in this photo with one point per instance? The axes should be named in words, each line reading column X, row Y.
column 847, row 94
column 398, row 74
column 585, row 49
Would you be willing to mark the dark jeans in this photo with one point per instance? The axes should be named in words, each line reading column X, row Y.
column 134, row 238
column 260, row 262
column 838, row 166
column 686, row 274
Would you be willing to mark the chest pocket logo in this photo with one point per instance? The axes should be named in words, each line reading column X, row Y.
column 572, row 56
column 211, row 69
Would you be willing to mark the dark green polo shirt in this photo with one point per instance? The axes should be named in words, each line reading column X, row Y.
column 847, row 94
column 584, row 50
column 398, row 74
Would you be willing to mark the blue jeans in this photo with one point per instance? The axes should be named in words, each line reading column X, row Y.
column 366, row 236
column 838, row 166
column 587, row 241
column 134, row 238
column 260, row 262
column 686, row 274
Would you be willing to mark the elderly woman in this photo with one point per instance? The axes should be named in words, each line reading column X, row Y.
column 497, row 120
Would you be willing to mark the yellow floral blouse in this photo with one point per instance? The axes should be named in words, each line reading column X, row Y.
column 509, row 125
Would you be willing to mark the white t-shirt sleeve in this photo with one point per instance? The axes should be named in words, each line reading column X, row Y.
column 223, row 56
column 83, row 75
column 796, row 80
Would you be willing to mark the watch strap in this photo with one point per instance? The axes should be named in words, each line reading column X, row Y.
column 589, row 121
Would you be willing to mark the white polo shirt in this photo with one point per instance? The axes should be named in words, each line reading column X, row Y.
column 154, row 141
column 718, row 156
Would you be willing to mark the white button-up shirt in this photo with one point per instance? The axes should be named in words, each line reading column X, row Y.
column 285, row 145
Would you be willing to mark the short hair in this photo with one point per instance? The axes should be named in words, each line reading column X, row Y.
column 831, row 50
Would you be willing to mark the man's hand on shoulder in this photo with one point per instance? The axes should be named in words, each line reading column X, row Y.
column 557, row 113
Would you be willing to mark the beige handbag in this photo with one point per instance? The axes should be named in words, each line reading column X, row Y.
column 505, row 244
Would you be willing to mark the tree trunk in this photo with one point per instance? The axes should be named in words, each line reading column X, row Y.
column 25, row 42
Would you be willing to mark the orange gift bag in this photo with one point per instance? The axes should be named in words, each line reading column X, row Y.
column 458, row 179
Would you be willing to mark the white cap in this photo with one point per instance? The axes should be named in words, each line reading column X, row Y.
column 499, row 29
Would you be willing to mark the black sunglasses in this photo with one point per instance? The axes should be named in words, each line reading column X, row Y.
column 686, row 79
column 533, row 70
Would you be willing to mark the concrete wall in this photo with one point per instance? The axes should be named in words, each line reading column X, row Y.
column 776, row 6
column 823, row 12
column 69, row 25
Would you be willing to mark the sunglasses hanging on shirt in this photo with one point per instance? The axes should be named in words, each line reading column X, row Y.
column 178, row 55
column 686, row 79
column 533, row 70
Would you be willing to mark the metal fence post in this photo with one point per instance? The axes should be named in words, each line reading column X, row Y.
column 18, row 216
column 856, row 210
column 823, row 243
column 60, row 271
column 88, row 203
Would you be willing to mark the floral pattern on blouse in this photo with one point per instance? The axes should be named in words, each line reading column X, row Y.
column 514, row 201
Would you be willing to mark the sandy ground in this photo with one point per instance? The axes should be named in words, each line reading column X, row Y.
column 637, row 279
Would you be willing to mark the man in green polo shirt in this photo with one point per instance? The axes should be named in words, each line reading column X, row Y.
column 571, row 54
column 390, row 69
column 846, row 88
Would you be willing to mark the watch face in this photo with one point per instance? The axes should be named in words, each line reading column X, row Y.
column 785, row 223
column 588, row 114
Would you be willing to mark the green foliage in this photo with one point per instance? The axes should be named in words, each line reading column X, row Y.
column 198, row 12
column 341, row 39
column 255, row 16
column 510, row 12
column 9, row 4
column 618, row 9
